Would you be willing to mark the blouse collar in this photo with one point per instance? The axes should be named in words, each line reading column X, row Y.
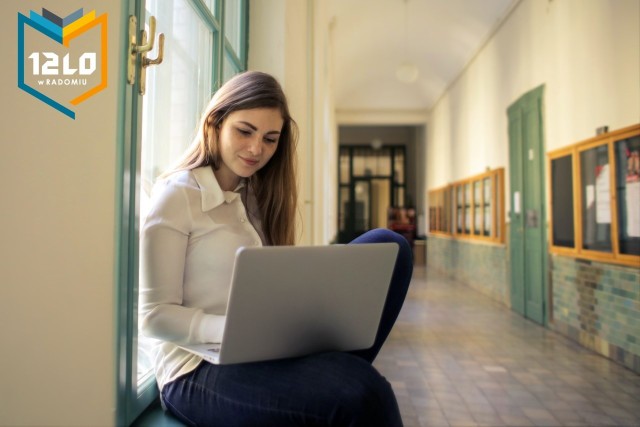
column 211, row 193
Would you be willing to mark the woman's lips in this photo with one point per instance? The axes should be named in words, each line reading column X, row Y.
column 249, row 162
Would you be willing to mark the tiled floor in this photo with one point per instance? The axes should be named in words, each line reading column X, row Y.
column 457, row 358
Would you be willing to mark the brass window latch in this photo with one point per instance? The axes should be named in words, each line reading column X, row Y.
column 142, row 49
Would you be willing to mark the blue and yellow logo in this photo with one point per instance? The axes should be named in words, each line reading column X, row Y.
column 53, row 70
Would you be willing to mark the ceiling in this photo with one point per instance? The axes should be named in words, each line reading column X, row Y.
column 441, row 38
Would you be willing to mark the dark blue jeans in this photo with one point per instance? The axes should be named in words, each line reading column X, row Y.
column 326, row 389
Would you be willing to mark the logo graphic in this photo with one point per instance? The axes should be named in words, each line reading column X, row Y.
column 58, row 72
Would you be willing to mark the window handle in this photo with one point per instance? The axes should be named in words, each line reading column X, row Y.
column 146, row 62
column 158, row 60
column 146, row 45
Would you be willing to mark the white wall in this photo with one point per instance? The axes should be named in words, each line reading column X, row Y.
column 325, row 139
column 57, row 250
column 278, row 44
column 290, row 39
column 585, row 52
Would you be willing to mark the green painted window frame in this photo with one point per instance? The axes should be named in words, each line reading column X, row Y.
column 131, row 401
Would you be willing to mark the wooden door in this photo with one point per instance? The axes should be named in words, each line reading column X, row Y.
column 527, row 241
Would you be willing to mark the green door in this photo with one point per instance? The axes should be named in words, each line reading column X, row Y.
column 527, row 241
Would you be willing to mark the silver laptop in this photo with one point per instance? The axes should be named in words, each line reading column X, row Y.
column 288, row 301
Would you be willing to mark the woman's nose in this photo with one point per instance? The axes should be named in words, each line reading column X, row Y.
column 255, row 146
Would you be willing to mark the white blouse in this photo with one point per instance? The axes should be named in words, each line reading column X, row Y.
column 187, row 248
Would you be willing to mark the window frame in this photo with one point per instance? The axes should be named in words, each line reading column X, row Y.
column 609, row 140
column 133, row 398
column 456, row 211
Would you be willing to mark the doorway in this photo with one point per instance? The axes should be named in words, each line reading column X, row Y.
column 371, row 180
column 527, row 236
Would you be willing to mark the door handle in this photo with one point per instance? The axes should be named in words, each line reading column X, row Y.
column 531, row 218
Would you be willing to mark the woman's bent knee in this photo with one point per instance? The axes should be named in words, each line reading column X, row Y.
column 363, row 396
column 384, row 235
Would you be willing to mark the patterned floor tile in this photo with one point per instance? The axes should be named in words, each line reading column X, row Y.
column 458, row 358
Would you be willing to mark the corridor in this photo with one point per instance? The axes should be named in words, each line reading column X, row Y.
column 457, row 358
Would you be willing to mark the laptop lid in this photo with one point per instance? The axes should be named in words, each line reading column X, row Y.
column 288, row 301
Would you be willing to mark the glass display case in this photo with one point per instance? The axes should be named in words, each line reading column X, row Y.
column 595, row 198
column 471, row 208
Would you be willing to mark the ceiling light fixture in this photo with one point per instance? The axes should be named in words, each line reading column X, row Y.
column 407, row 71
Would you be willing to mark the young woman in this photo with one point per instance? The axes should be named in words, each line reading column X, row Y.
column 234, row 187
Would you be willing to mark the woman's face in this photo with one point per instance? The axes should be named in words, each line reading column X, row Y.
column 247, row 141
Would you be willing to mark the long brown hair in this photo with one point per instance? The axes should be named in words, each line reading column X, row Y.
column 275, row 184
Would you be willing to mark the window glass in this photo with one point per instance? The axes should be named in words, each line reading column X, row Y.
column 595, row 190
column 176, row 94
column 359, row 162
column 362, row 203
column 453, row 210
column 371, row 162
column 382, row 162
column 344, row 166
column 562, row 202
column 446, row 206
column 343, row 206
column 467, row 208
column 233, row 24
column 399, row 166
column 460, row 208
column 178, row 91
column 487, row 206
column 229, row 67
column 477, row 211
column 213, row 6
column 627, row 152
column 467, row 194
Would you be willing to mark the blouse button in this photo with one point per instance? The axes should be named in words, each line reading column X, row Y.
column 242, row 219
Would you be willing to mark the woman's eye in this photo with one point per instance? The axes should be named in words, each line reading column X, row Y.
column 271, row 140
column 244, row 132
